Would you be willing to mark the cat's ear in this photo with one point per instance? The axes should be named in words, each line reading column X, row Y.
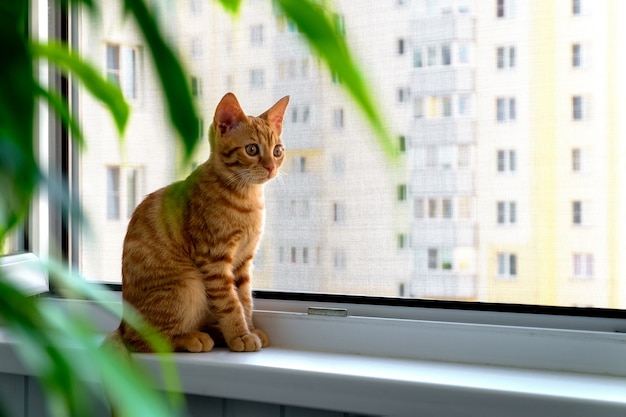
column 275, row 114
column 228, row 114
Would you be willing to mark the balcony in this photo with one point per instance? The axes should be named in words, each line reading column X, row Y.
column 442, row 79
column 440, row 131
column 443, row 233
column 442, row 182
column 447, row 27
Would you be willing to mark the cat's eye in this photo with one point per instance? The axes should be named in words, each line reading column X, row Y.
column 278, row 151
column 252, row 149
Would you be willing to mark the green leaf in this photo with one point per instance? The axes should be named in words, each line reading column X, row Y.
column 173, row 81
column 63, row 347
column 19, row 173
column 231, row 6
column 108, row 93
column 317, row 25
column 75, row 287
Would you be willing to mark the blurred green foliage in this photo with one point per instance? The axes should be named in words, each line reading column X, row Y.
column 43, row 331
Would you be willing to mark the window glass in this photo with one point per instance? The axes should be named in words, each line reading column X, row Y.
column 486, row 191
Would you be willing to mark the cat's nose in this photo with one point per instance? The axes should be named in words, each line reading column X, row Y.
column 270, row 168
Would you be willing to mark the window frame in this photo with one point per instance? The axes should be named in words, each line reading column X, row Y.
column 44, row 226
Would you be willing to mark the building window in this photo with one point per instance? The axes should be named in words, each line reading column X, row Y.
column 301, row 164
column 123, row 191
column 113, row 63
column 294, row 255
column 507, row 265
column 464, row 156
column 500, row 109
column 512, row 57
column 304, row 68
column 433, row 258
column 578, row 213
column 502, row 161
column 292, row 72
column 446, row 259
column 439, row 259
column 582, row 265
column 339, row 259
column 446, row 207
column 464, row 105
column 578, row 108
column 306, row 113
column 463, row 53
column 196, row 86
column 400, row 46
column 257, row 79
column 446, row 157
column 465, row 208
column 418, row 107
column 418, row 208
column 403, row 94
column 512, row 109
column 113, row 193
column 578, row 160
column 505, row 57
column 446, row 106
column 305, row 255
column 339, row 166
column 500, row 8
column 132, row 191
column 433, row 208
column 339, row 213
column 418, row 61
column 507, row 212
column 576, row 55
column 196, row 48
column 446, row 55
column 402, row 143
column 506, row 109
column 256, row 35
column 576, row 7
column 505, row 8
column 338, row 121
column 403, row 241
column 432, row 56
column 506, row 160
column 195, row 7
column 121, row 68
column 402, row 192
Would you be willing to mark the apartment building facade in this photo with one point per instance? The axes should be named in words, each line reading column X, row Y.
column 507, row 117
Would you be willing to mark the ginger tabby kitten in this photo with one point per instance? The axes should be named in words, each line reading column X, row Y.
column 187, row 258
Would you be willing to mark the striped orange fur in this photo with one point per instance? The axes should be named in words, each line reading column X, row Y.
column 188, row 251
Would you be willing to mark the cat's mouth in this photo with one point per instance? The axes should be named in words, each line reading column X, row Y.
column 263, row 178
column 260, row 178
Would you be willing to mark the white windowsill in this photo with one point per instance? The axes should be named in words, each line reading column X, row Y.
column 395, row 387
column 399, row 367
column 391, row 361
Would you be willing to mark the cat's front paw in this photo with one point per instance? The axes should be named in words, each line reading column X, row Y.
column 265, row 341
column 249, row 342
column 193, row 342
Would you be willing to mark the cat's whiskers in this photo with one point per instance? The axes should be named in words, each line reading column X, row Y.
column 238, row 180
